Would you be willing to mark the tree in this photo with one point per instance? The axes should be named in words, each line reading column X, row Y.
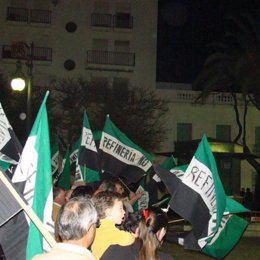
column 233, row 66
column 137, row 112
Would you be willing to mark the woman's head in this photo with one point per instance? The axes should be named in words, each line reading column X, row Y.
column 152, row 229
column 109, row 205
column 131, row 222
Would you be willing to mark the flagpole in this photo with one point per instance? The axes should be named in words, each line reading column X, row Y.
column 124, row 184
column 31, row 214
column 176, row 220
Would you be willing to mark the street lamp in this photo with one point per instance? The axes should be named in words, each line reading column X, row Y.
column 18, row 82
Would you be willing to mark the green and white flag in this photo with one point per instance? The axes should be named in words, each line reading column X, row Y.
column 64, row 177
column 198, row 196
column 120, row 156
column 55, row 156
column 88, row 154
column 74, row 161
column 34, row 169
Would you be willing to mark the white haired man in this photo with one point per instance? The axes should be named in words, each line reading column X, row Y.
column 76, row 228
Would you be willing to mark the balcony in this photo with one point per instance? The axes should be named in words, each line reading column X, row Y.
column 119, row 20
column 39, row 53
column 110, row 58
column 101, row 20
column 28, row 16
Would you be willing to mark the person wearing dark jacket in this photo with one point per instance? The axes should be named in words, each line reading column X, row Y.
column 149, row 234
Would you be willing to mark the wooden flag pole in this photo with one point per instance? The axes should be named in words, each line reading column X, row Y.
column 124, row 184
column 31, row 214
column 176, row 220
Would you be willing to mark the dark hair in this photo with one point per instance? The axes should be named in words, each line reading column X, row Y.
column 105, row 200
column 107, row 185
column 85, row 191
column 148, row 228
column 132, row 221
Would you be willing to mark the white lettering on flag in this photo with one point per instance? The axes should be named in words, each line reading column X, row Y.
column 88, row 140
column 124, row 153
column 199, row 178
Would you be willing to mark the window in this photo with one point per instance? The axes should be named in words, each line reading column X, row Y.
column 223, row 133
column 184, row 132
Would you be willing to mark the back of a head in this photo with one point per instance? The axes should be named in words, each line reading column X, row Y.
column 149, row 228
column 57, row 191
column 85, row 191
column 107, row 185
column 132, row 221
column 75, row 218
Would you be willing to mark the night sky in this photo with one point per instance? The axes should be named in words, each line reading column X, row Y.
column 185, row 27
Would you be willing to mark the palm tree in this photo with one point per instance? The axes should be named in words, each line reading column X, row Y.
column 233, row 67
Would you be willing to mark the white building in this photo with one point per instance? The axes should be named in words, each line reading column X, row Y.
column 188, row 120
column 112, row 41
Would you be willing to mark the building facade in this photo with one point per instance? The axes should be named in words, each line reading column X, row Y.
column 188, row 120
column 111, row 41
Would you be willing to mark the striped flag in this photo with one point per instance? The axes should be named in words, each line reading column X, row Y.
column 120, row 156
column 10, row 147
column 88, row 154
column 198, row 196
column 55, row 156
column 34, row 169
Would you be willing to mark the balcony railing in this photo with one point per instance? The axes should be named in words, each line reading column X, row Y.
column 17, row 14
column 39, row 53
column 111, row 58
column 120, row 20
column 40, row 16
column 101, row 20
column 28, row 16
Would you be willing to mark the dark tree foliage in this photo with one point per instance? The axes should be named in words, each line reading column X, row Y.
column 137, row 112
column 233, row 67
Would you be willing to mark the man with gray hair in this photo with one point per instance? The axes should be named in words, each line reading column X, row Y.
column 76, row 229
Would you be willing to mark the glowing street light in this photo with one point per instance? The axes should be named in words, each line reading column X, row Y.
column 19, row 80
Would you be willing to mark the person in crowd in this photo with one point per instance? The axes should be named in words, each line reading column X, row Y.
column 129, row 196
column 106, row 185
column 58, row 201
column 242, row 192
column 109, row 205
column 248, row 199
column 85, row 191
column 76, row 226
column 149, row 231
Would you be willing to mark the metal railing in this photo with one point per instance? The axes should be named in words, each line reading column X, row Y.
column 39, row 53
column 28, row 16
column 101, row 20
column 111, row 58
column 120, row 20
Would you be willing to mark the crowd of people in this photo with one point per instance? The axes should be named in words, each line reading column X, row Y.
column 101, row 224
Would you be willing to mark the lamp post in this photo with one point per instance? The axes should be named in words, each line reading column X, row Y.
column 18, row 82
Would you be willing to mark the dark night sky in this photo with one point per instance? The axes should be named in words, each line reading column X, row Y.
column 185, row 27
